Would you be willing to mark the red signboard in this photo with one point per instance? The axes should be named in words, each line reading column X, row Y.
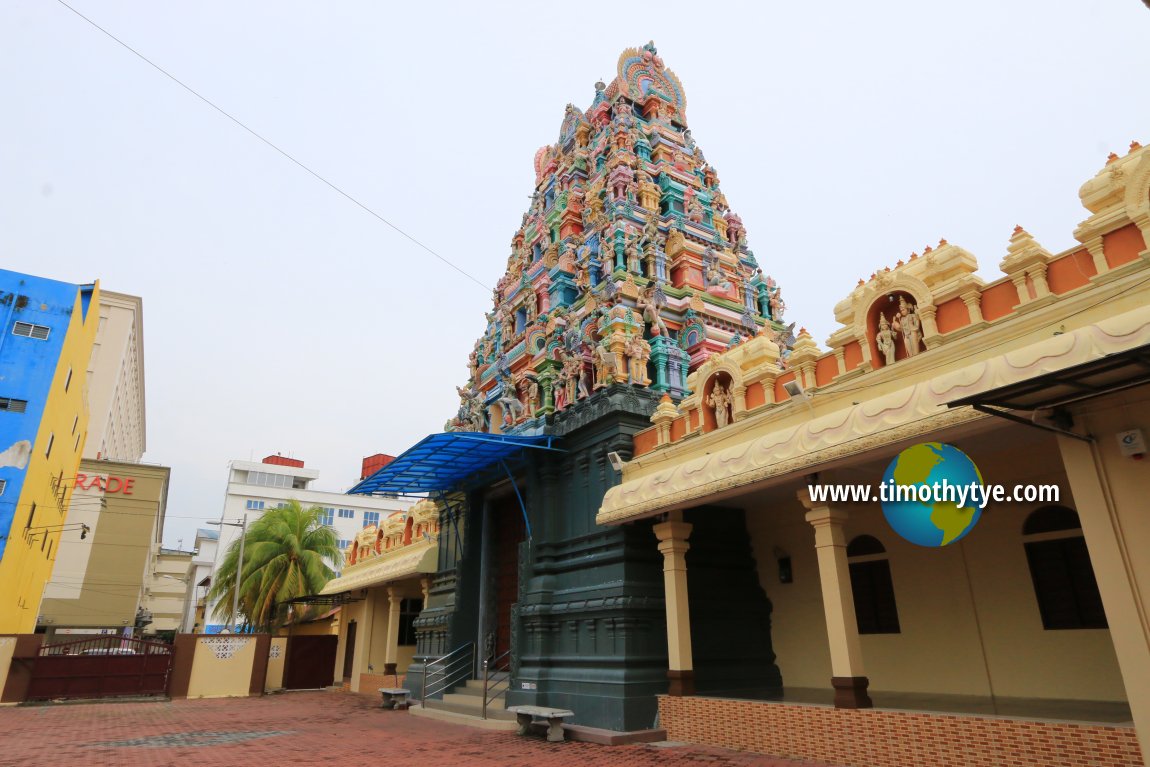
column 109, row 484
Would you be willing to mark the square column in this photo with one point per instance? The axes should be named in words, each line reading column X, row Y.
column 391, row 653
column 1109, row 493
column 673, row 544
column 359, row 661
column 847, row 675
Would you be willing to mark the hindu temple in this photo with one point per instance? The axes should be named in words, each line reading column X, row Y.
column 628, row 270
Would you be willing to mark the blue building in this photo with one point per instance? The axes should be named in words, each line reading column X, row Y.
column 46, row 341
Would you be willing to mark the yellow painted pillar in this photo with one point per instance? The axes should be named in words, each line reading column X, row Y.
column 673, row 544
column 391, row 654
column 1113, row 524
column 359, row 660
column 847, row 675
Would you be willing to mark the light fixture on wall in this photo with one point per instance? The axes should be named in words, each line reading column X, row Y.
column 796, row 391
column 615, row 461
column 786, row 571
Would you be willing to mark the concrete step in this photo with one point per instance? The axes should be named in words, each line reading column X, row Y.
column 497, row 680
column 495, row 720
column 470, row 709
column 476, row 688
column 475, row 701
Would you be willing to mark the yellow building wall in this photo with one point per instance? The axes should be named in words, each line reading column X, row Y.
column 7, row 648
column 101, row 585
column 27, row 561
column 222, row 667
column 277, row 654
column 968, row 615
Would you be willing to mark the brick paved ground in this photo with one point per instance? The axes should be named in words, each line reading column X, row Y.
column 321, row 728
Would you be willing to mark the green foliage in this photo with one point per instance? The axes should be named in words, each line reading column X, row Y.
column 284, row 557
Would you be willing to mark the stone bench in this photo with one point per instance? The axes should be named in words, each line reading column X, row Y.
column 524, row 715
column 395, row 697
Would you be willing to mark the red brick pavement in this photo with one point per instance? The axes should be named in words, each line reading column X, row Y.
column 320, row 728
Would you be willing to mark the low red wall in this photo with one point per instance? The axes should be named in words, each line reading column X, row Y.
column 872, row 738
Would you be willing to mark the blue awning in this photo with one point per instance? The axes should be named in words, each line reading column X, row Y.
column 441, row 462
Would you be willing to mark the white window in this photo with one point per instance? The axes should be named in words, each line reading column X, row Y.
column 268, row 479
column 370, row 518
column 327, row 516
column 347, row 513
column 13, row 405
column 254, row 505
column 28, row 330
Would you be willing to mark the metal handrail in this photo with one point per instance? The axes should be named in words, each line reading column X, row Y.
column 501, row 663
column 449, row 670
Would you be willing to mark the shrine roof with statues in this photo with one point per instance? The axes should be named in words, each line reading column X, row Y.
column 917, row 341
column 629, row 267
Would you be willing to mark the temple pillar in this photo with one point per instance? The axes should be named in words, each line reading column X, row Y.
column 425, row 586
column 1097, row 254
column 673, row 545
column 659, row 358
column 926, row 314
column 973, row 301
column 847, row 675
column 362, row 648
column 391, row 650
column 1108, row 490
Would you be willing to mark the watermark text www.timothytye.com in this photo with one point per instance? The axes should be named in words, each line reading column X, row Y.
column 962, row 495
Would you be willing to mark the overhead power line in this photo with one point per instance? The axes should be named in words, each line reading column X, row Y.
column 274, row 146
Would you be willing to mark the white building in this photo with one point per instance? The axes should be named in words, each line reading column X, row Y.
column 253, row 488
column 165, row 597
column 117, row 427
column 198, row 579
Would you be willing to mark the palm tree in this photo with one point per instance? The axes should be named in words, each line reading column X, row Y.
column 286, row 555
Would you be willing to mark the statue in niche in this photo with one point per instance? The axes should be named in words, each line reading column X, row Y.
column 470, row 416
column 631, row 251
column 509, row 402
column 532, row 304
column 582, row 278
column 713, row 271
column 532, row 397
column 620, row 180
column 594, row 200
column 649, row 304
column 777, row 305
column 605, row 365
column 573, row 377
column 638, row 352
column 649, row 193
column 649, row 239
column 607, row 257
column 583, row 252
column 884, row 339
column 720, row 399
column 736, row 232
column 695, row 210
column 508, row 329
column 907, row 322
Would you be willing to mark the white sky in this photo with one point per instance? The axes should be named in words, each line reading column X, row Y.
column 278, row 317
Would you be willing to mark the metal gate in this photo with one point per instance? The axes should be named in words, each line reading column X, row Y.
column 101, row 667
column 310, row 662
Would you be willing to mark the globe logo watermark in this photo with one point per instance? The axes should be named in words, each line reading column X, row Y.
column 932, row 494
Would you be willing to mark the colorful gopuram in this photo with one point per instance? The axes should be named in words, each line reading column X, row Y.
column 629, row 266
